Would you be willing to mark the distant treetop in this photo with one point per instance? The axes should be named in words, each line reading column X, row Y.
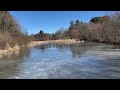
column 99, row 19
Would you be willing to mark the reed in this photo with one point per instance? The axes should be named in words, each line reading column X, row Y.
column 9, row 51
column 61, row 41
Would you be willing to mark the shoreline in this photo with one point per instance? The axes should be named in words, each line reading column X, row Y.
column 60, row 41
column 16, row 48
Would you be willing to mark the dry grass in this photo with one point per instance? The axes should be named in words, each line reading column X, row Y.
column 9, row 50
column 34, row 43
column 66, row 41
column 61, row 41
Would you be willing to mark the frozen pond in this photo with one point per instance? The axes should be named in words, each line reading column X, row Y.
column 52, row 61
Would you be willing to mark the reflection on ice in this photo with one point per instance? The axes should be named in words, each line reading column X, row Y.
column 86, row 60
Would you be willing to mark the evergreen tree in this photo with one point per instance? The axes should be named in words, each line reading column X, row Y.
column 77, row 25
column 72, row 25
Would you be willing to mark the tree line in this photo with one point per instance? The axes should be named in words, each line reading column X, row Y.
column 98, row 29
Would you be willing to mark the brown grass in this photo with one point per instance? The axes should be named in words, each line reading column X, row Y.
column 61, row 41
column 9, row 50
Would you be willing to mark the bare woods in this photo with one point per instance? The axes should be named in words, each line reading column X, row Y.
column 107, row 31
column 11, row 33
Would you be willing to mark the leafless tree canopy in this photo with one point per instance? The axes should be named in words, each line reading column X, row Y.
column 10, row 31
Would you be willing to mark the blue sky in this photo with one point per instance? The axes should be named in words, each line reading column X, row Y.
column 50, row 21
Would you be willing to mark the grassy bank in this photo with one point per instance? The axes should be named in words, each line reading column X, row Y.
column 67, row 41
column 60, row 41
